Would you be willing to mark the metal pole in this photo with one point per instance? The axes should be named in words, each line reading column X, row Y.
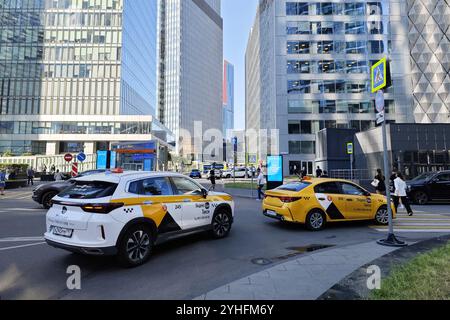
column 392, row 240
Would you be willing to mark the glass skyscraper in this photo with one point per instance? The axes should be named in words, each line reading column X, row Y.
column 190, row 70
column 308, row 68
column 228, row 98
column 76, row 74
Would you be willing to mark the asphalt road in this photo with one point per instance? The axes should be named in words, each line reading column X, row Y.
column 182, row 269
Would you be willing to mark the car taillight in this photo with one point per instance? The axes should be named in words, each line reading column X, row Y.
column 101, row 208
column 288, row 199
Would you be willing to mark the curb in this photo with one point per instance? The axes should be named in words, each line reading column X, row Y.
column 354, row 286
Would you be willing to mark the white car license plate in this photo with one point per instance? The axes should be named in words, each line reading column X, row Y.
column 271, row 213
column 63, row 232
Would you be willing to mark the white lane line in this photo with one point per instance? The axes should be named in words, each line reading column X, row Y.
column 22, row 246
column 416, row 230
column 14, row 196
column 25, row 209
column 22, row 239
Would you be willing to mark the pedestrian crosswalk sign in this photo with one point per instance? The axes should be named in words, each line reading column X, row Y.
column 379, row 75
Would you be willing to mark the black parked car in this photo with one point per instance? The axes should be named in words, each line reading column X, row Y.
column 430, row 186
column 44, row 193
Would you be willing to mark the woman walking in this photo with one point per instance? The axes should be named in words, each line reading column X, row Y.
column 380, row 183
column 400, row 194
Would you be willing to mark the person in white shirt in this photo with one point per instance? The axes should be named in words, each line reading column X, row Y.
column 261, row 182
column 400, row 194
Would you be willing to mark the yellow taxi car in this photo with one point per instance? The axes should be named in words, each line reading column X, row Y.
column 317, row 202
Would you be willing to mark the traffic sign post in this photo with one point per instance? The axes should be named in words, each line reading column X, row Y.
column 350, row 151
column 74, row 169
column 380, row 75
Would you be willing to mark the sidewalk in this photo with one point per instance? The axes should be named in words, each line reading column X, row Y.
column 305, row 278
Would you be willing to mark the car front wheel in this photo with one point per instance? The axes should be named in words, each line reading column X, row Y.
column 47, row 199
column 136, row 246
column 315, row 221
column 421, row 198
column 382, row 216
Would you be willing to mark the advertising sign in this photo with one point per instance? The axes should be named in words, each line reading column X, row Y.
column 275, row 169
column 102, row 159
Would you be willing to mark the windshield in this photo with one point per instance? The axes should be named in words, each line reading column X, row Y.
column 89, row 190
column 296, row 187
column 423, row 176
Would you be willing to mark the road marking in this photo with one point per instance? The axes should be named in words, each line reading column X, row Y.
column 15, row 195
column 416, row 230
column 25, row 209
column 22, row 246
column 22, row 239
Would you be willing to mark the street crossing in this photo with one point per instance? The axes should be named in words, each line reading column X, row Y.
column 421, row 222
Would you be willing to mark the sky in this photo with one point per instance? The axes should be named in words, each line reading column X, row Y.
column 238, row 16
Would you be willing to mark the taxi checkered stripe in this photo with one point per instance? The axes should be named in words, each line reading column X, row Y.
column 128, row 210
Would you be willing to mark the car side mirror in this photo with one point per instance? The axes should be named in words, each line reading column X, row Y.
column 205, row 193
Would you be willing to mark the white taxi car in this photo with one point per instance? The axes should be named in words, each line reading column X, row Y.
column 126, row 214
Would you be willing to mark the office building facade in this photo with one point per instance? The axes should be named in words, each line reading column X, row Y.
column 429, row 42
column 190, row 70
column 308, row 68
column 228, row 98
column 77, row 75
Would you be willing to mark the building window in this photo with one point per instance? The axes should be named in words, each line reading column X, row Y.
column 297, row 9
column 298, row 27
column 299, row 86
column 298, row 47
column 298, row 66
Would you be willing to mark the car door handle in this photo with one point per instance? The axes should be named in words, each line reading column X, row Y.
column 187, row 200
column 148, row 203
column 322, row 199
column 349, row 200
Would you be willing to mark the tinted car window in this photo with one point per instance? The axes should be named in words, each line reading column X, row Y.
column 350, row 189
column 89, row 190
column 185, row 186
column 328, row 188
column 151, row 187
column 443, row 177
column 296, row 187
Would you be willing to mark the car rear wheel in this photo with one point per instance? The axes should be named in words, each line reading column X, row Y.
column 221, row 224
column 421, row 198
column 382, row 216
column 136, row 246
column 47, row 199
column 315, row 221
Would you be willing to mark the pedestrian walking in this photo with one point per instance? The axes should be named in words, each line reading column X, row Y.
column 53, row 169
column 2, row 182
column 391, row 181
column 261, row 182
column 30, row 176
column 379, row 182
column 212, row 178
column 401, row 195
column 58, row 176
column 304, row 173
column 319, row 172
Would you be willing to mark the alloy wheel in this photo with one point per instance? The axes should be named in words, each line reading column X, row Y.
column 138, row 246
column 221, row 224
column 316, row 220
column 382, row 216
